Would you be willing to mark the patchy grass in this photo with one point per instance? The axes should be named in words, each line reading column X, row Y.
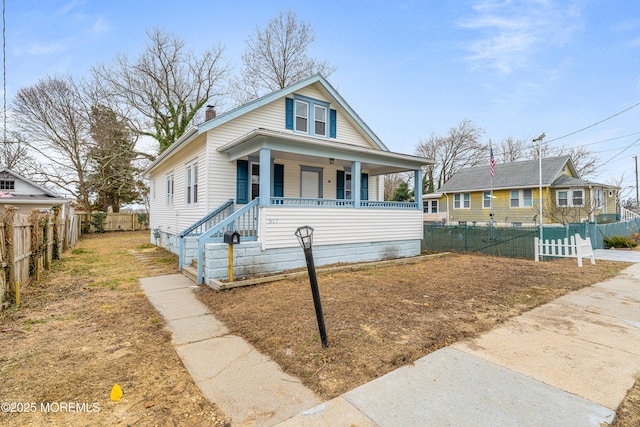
column 86, row 326
column 379, row 319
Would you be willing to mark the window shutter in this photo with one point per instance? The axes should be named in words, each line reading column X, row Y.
column 278, row 180
column 242, row 181
column 364, row 186
column 332, row 123
column 289, row 113
column 340, row 185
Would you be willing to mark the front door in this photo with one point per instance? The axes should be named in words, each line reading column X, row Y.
column 310, row 184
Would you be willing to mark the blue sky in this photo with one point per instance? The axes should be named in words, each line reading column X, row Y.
column 409, row 68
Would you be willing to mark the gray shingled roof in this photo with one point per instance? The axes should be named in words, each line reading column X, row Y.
column 507, row 175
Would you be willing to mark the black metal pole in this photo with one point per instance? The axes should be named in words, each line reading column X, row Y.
column 311, row 268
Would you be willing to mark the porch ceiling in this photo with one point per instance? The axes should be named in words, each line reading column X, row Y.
column 303, row 148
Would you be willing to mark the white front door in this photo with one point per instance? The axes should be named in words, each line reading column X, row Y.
column 310, row 185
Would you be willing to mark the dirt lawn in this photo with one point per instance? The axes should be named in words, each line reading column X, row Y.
column 87, row 325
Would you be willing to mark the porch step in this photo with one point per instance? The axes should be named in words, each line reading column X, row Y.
column 190, row 272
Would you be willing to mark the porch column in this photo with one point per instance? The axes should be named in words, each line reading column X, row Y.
column 356, row 182
column 265, row 177
column 417, row 188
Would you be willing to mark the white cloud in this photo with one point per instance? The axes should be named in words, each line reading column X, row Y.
column 513, row 34
column 100, row 26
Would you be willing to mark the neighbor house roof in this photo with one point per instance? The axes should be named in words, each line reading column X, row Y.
column 316, row 79
column 45, row 192
column 523, row 174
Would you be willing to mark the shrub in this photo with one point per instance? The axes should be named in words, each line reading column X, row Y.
column 619, row 242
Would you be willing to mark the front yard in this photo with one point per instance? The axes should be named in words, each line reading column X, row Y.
column 87, row 325
column 379, row 319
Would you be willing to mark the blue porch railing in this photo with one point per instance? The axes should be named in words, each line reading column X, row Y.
column 209, row 220
column 388, row 205
column 341, row 203
column 201, row 226
column 291, row 201
column 243, row 221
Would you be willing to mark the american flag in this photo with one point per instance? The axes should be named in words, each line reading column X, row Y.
column 492, row 162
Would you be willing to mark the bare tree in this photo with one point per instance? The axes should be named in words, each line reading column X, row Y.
column 459, row 149
column 584, row 160
column 509, row 149
column 391, row 183
column 276, row 57
column 16, row 156
column 165, row 87
column 52, row 116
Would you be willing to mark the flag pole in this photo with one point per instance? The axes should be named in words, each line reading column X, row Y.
column 492, row 163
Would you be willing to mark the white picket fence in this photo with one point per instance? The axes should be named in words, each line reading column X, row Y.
column 574, row 247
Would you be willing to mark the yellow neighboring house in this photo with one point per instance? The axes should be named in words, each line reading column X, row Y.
column 467, row 196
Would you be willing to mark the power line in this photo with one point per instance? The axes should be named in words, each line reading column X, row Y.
column 595, row 124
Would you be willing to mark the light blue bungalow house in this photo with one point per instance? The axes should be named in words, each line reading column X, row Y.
column 299, row 156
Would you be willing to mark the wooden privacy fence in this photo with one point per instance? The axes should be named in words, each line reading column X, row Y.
column 28, row 243
column 100, row 222
column 574, row 247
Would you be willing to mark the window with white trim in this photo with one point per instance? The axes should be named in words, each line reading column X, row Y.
column 570, row 198
column 6, row 184
column 170, row 190
column 486, row 199
column 302, row 116
column 320, row 120
column 430, row 206
column 598, row 198
column 191, row 182
column 521, row 198
column 153, row 189
column 462, row 201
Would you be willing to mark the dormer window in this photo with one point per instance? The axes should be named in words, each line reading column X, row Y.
column 302, row 116
column 310, row 116
column 320, row 119
column 6, row 184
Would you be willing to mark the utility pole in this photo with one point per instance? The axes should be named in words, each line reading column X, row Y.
column 539, row 141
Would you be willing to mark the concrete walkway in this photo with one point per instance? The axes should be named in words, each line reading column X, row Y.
column 248, row 387
column 567, row 363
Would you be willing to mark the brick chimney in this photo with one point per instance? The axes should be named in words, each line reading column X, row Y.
column 210, row 114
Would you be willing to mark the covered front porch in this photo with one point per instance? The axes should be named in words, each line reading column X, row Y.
column 282, row 169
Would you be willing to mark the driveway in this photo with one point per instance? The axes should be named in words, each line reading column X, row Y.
column 617, row 255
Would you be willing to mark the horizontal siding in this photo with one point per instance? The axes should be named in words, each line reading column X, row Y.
column 338, row 226
column 346, row 132
column 180, row 216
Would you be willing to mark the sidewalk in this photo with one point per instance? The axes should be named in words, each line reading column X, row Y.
column 567, row 363
column 248, row 387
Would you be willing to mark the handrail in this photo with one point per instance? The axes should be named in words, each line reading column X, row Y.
column 627, row 215
column 213, row 215
column 247, row 217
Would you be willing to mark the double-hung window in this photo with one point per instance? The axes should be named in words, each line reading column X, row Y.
column 577, row 198
column 462, row 201
column 486, row 199
column 320, row 120
column 310, row 116
column 521, row 198
column 430, row 206
column 170, row 190
column 191, row 182
column 570, row 197
column 302, row 116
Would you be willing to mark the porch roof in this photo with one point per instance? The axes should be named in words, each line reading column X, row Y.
column 301, row 147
